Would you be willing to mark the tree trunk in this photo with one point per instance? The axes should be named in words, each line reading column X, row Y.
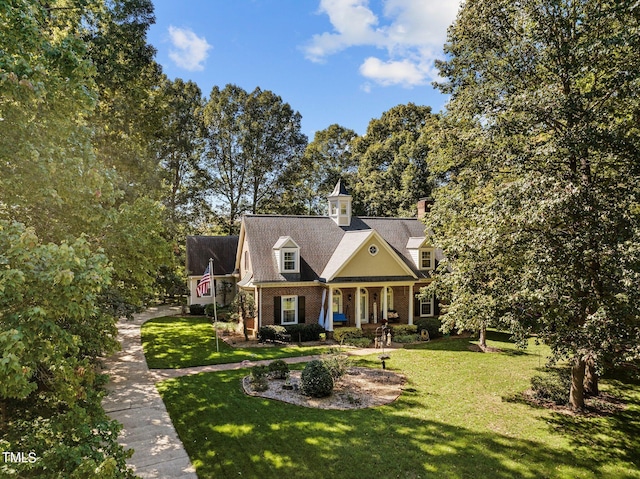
column 591, row 377
column 576, row 395
column 483, row 337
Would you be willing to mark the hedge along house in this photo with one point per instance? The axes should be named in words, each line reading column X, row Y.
column 335, row 270
column 222, row 249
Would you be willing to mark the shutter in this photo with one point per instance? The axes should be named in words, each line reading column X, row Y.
column 301, row 309
column 277, row 310
column 416, row 306
column 436, row 306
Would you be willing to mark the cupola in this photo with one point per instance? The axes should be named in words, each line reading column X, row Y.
column 340, row 205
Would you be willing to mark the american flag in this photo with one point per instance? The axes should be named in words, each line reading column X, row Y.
column 205, row 283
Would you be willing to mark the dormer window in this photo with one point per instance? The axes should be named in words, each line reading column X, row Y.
column 426, row 259
column 287, row 254
column 290, row 261
column 422, row 253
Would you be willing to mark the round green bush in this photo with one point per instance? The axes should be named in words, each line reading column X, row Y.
column 278, row 369
column 316, row 380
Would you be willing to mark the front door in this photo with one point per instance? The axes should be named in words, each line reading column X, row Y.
column 364, row 305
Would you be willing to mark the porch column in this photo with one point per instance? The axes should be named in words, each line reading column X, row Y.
column 358, row 311
column 385, row 306
column 410, row 304
column 329, row 325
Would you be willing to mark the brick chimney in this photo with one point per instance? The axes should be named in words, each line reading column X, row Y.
column 424, row 206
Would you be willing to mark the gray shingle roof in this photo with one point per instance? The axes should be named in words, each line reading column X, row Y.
column 221, row 248
column 318, row 237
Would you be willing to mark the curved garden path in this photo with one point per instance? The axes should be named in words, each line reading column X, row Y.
column 134, row 401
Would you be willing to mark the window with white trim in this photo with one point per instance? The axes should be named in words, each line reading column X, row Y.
column 427, row 259
column 207, row 294
column 289, row 312
column 426, row 307
column 289, row 260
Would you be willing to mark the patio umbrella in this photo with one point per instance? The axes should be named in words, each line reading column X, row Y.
column 321, row 321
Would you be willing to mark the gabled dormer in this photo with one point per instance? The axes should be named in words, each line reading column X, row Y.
column 422, row 253
column 340, row 205
column 287, row 253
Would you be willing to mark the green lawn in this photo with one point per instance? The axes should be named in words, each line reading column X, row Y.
column 176, row 342
column 451, row 422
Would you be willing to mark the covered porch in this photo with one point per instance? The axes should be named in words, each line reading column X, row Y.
column 371, row 303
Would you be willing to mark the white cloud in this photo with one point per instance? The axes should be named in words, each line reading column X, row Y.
column 412, row 32
column 403, row 72
column 189, row 50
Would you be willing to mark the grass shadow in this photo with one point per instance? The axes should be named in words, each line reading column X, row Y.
column 228, row 434
column 615, row 435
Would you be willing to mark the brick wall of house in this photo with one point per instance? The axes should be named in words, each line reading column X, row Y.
column 401, row 303
column 312, row 295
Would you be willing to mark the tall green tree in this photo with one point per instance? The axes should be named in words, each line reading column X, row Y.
column 224, row 156
column 540, row 161
column 49, row 177
column 180, row 149
column 391, row 157
column 275, row 145
column 327, row 159
column 127, row 115
column 253, row 145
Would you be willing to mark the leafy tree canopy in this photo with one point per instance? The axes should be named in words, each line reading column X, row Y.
column 391, row 157
column 253, row 148
column 327, row 159
column 538, row 158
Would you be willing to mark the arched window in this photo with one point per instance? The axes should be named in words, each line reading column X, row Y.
column 390, row 298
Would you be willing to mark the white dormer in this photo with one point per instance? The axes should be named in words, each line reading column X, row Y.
column 422, row 253
column 340, row 205
column 287, row 254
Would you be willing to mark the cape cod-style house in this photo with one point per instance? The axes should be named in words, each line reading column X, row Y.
column 335, row 270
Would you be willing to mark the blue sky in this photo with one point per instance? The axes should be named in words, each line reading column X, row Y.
column 334, row 61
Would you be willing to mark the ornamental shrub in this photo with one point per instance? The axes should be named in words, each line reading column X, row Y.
column 430, row 324
column 304, row 332
column 272, row 332
column 342, row 334
column 404, row 330
column 209, row 310
column 196, row 309
column 278, row 369
column 337, row 363
column 316, row 380
column 259, row 378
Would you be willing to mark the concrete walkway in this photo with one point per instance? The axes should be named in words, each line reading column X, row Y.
column 134, row 401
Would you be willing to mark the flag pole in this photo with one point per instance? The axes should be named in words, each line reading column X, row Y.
column 215, row 307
